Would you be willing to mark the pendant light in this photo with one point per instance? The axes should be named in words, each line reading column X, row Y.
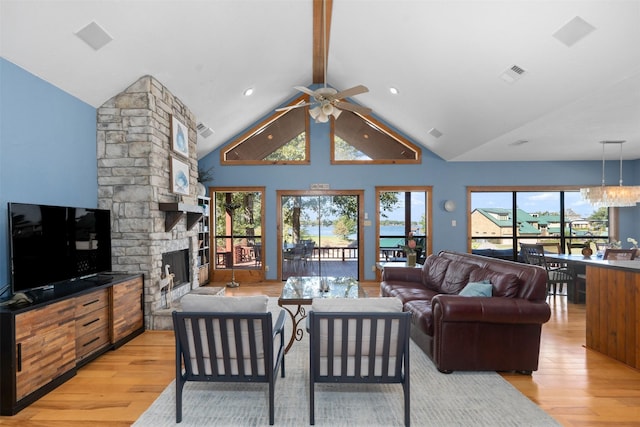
column 611, row 195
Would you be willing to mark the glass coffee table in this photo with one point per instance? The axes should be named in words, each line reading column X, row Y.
column 300, row 291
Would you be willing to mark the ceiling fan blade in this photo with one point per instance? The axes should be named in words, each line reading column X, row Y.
column 305, row 90
column 353, row 107
column 291, row 107
column 347, row 93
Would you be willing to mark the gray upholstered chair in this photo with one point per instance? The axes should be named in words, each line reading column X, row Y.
column 228, row 339
column 359, row 341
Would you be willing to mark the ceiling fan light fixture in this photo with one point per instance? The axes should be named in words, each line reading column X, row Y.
column 611, row 195
column 327, row 109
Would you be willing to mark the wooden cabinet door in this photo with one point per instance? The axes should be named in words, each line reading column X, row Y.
column 45, row 345
column 128, row 314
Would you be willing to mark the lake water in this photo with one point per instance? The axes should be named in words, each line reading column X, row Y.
column 385, row 230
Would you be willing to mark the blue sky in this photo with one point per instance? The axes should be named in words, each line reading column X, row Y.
column 534, row 202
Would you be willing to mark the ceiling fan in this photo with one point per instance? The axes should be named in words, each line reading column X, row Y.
column 326, row 100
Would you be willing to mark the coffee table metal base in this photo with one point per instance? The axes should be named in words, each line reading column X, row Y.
column 300, row 291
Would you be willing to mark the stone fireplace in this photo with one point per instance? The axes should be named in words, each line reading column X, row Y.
column 134, row 155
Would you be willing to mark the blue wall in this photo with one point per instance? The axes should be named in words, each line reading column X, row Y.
column 47, row 148
column 48, row 155
column 449, row 181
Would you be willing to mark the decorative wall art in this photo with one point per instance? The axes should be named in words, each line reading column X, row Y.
column 179, row 176
column 179, row 137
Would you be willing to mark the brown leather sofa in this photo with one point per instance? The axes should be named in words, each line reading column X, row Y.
column 473, row 333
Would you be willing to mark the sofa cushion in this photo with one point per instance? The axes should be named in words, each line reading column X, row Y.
column 477, row 289
column 407, row 291
column 434, row 271
column 504, row 284
column 421, row 315
column 457, row 277
column 354, row 305
column 222, row 304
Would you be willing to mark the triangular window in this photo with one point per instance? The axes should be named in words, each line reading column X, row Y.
column 283, row 138
column 362, row 139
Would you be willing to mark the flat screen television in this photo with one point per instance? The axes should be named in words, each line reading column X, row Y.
column 54, row 244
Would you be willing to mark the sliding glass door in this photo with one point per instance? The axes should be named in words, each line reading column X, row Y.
column 319, row 234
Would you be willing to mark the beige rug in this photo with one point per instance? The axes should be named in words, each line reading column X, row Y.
column 457, row 399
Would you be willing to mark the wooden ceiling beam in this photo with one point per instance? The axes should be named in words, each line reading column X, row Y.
column 320, row 55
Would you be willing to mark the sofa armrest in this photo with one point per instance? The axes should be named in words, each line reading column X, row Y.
column 402, row 274
column 455, row 308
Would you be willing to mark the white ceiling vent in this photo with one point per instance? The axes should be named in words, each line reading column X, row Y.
column 512, row 74
column 573, row 31
column 435, row 133
column 94, row 35
column 204, row 131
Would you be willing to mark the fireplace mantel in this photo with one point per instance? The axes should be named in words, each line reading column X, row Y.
column 175, row 211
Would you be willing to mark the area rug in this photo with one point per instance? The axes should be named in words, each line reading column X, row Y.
column 457, row 399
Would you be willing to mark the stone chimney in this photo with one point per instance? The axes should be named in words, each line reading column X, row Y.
column 134, row 156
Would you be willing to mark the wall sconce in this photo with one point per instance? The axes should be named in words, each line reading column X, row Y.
column 449, row 205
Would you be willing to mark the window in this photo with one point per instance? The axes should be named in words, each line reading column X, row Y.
column 501, row 219
column 283, row 138
column 400, row 211
column 237, row 233
column 359, row 139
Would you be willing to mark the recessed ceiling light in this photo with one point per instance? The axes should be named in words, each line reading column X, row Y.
column 394, row 90
column 248, row 92
column 94, row 35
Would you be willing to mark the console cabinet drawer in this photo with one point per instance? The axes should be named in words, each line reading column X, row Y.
column 92, row 332
column 92, row 301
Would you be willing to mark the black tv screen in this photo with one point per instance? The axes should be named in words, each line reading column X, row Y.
column 51, row 244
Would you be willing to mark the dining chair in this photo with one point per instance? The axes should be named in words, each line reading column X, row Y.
column 558, row 273
column 575, row 248
column 619, row 254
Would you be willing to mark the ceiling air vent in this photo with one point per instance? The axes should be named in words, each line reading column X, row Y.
column 204, row 131
column 513, row 73
column 435, row 133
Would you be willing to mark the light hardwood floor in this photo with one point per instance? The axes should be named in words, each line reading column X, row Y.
column 577, row 386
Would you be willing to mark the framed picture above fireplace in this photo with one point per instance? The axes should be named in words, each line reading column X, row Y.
column 179, row 176
column 179, row 137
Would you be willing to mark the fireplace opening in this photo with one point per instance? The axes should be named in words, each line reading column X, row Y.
column 178, row 262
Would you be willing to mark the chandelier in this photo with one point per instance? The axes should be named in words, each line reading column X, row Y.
column 611, row 195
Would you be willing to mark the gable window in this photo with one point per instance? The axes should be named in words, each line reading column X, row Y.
column 357, row 139
column 283, row 138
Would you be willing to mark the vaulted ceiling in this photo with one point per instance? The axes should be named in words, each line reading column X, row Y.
column 448, row 59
